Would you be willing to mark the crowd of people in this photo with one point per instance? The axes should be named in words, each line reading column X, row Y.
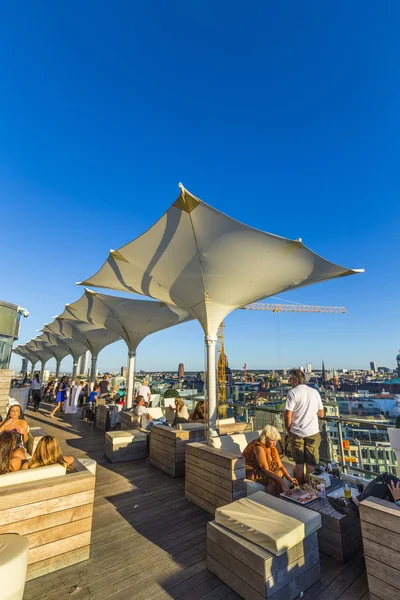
column 262, row 459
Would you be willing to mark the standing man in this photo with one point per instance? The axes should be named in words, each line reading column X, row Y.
column 144, row 391
column 303, row 407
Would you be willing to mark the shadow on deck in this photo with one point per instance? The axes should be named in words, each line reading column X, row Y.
column 148, row 541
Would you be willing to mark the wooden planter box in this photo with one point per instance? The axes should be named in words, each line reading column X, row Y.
column 380, row 525
column 213, row 477
column 55, row 515
column 255, row 573
column 168, row 447
column 125, row 445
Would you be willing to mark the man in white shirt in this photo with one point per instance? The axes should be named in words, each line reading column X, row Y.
column 144, row 391
column 303, row 407
column 142, row 411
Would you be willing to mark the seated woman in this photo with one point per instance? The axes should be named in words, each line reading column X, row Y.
column 263, row 463
column 48, row 453
column 11, row 456
column 181, row 412
column 199, row 413
column 15, row 421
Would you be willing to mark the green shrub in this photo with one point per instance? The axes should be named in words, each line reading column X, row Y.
column 171, row 393
column 398, row 422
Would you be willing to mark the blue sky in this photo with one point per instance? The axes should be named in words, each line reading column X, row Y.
column 282, row 115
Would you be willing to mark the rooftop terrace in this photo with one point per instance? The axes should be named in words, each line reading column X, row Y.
column 148, row 541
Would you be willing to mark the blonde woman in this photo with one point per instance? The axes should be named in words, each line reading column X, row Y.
column 181, row 412
column 48, row 453
column 263, row 463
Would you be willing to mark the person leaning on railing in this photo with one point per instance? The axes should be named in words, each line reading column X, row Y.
column 263, row 463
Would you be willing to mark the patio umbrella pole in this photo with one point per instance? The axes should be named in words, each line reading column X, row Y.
column 43, row 363
column 211, row 384
column 131, row 378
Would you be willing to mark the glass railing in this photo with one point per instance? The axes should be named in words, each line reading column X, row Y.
column 357, row 445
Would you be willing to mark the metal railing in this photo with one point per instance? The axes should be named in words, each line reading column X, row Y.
column 339, row 440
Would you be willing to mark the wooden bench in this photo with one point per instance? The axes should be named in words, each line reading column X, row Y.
column 35, row 435
column 55, row 515
column 380, row 525
column 168, row 447
column 125, row 445
column 213, row 477
column 255, row 573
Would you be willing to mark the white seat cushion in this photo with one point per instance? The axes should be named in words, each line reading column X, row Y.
column 253, row 486
column 89, row 464
column 234, row 443
column 125, row 437
column 269, row 522
column 28, row 475
column 228, row 421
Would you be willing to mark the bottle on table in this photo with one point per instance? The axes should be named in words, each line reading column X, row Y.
column 347, row 491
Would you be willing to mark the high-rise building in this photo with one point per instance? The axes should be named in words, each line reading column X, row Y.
column 308, row 368
column 398, row 364
column 124, row 372
column 181, row 371
column 372, row 366
column 24, row 366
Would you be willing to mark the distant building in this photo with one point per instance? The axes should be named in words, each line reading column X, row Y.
column 24, row 366
column 398, row 364
column 373, row 367
column 308, row 368
column 124, row 372
column 181, row 371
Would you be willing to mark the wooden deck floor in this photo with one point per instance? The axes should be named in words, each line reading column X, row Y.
column 148, row 542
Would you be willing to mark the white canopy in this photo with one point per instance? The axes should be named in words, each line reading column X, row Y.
column 57, row 348
column 209, row 264
column 21, row 350
column 88, row 336
column 132, row 320
column 73, row 346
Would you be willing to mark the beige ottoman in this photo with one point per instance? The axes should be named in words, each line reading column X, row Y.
column 125, row 445
column 13, row 565
column 263, row 547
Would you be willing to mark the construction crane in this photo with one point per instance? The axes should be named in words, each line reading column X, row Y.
column 276, row 308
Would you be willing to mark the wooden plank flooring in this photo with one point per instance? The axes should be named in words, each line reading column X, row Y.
column 148, row 541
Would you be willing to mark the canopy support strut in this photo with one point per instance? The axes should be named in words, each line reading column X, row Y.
column 131, row 378
column 211, row 384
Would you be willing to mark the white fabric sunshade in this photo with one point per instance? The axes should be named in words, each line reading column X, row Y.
column 130, row 319
column 69, row 336
column 57, row 350
column 209, row 264
column 21, row 350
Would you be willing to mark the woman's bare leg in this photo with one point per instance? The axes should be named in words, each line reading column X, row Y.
column 55, row 409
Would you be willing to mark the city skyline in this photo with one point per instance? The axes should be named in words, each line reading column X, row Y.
column 260, row 113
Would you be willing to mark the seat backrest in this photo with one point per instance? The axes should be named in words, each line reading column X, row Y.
column 28, row 475
column 228, row 421
column 156, row 413
column 235, row 443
